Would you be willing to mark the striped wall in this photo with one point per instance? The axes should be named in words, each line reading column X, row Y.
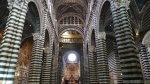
column 131, row 70
column 11, row 41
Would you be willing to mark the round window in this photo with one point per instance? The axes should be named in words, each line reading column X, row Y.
column 72, row 57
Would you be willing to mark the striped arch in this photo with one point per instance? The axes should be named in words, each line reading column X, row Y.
column 146, row 39
column 145, row 21
column 101, row 25
column 35, row 12
column 146, row 7
column 66, row 28
column 39, row 7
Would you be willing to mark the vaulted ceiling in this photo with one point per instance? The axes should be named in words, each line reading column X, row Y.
column 78, row 7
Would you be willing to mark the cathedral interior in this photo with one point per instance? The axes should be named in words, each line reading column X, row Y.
column 74, row 41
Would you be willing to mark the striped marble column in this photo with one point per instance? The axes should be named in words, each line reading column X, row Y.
column 54, row 70
column 82, row 69
column 86, row 74
column 118, row 65
column 11, row 41
column 92, row 69
column 36, row 60
column 52, row 73
column 145, row 64
column 60, row 67
column 46, row 66
column 86, row 70
column 118, row 35
column 130, row 65
column 46, row 75
column 102, row 61
column 95, row 67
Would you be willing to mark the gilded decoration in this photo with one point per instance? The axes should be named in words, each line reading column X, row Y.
column 25, row 53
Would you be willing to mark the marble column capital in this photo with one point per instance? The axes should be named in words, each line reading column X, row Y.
column 92, row 48
column 16, row 3
column 122, row 3
column 101, row 35
column 37, row 36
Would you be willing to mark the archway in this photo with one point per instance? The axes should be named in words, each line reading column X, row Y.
column 33, row 16
column 107, row 26
column 105, row 16
column 24, row 60
column 71, row 43
column 25, row 54
column 71, row 72
column 31, row 25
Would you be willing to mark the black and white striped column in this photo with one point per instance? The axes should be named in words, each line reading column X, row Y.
column 11, row 41
column 144, row 59
column 92, row 68
column 46, row 66
column 60, row 67
column 36, row 59
column 85, row 73
column 131, row 70
column 118, row 65
column 54, row 70
column 54, row 62
column 52, row 74
column 102, row 59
